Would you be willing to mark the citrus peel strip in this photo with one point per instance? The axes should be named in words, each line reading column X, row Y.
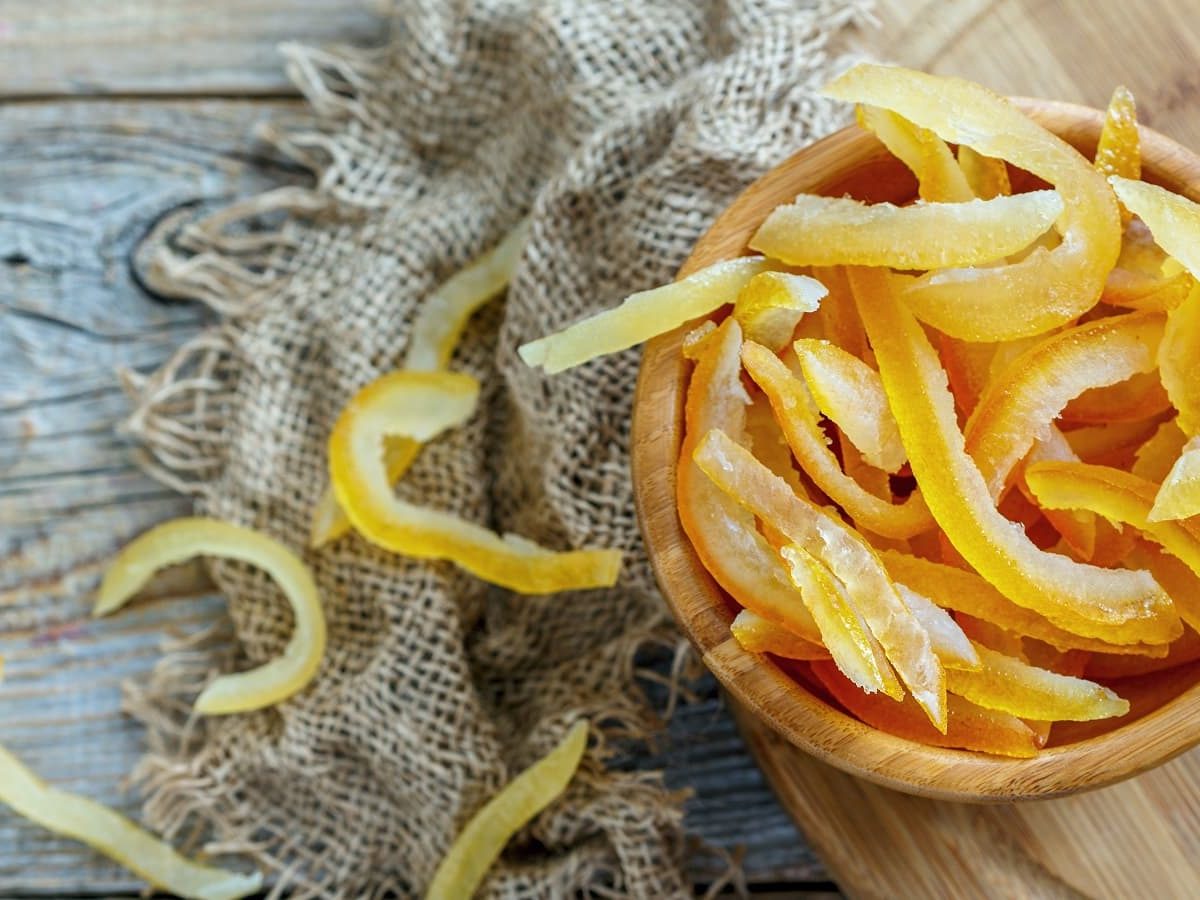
column 850, row 643
column 939, row 177
column 759, row 635
column 850, row 558
column 648, row 313
column 722, row 532
column 1019, row 405
column 850, row 394
column 1048, row 287
column 107, row 831
column 405, row 403
column 182, row 539
column 482, row 840
column 1117, row 606
column 968, row 726
column 770, row 306
column 797, row 416
column 834, row 231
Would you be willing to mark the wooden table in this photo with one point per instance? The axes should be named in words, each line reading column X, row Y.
column 119, row 114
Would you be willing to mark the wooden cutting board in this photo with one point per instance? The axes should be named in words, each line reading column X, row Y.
column 1136, row 839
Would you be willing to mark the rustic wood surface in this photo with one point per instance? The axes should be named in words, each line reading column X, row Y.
column 82, row 180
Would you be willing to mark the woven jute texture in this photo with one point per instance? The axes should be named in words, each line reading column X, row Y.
column 620, row 129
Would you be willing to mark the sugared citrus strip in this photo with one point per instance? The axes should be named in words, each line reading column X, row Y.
column 842, row 326
column 1111, row 445
column 406, row 403
column 771, row 304
column 1009, row 685
column 1135, row 399
column 1134, row 290
column 182, row 539
column 1116, row 495
column 1117, row 606
column 849, row 393
column 834, row 231
column 926, row 155
column 439, row 324
column 759, row 635
column 797, row 416
column 444, row 314
column 968, row 368
column 1077, row 526
column 1153, row 459
column 480, row 843
column 1173, row 574
column 1174, row 221
column 1179, row 361
column 986, row 176
column 1179, row 496
column 722, row 532
column 648, row 313
column 1019, row 405
column 85, row 820
column 968, row 726
column 962, row 591
column 764, row 437
column 949, row 643
column 854, row 650
column 1048, row 287
column 851, row 559
column 1119, row 151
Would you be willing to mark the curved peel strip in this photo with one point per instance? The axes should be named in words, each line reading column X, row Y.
column 986, row 176
column 1117, row 606
column 1118, row 496
column 851, row 559
column 938, row 174
column 1009, row 685
column 1174, row 575
column 722, row 532
column 850, row 394
column 1136, row 290
column 839, row 315
column 648, row 313
column 1179, row 360
column 1018, row 406
column 853, row 648
column 1174, row 221
column 480, row 843
column 105, row 830
column 439, row 324
column 181, row 539
column 951, row 645
column 1048, row 287
column 1076, row 526
column 965, row 592
column 759, row 635
column 1154, row 458
column 968, row 367
column 770, row 306
column 1179, row 495
column 444, row 314
column 404, row 403
column 1135, row 399
column 834, row 231
column 967, row 726
column 797, row 416
column 1119, row 151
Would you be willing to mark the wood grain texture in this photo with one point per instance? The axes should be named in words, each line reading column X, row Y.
column 80, row 184
column 169, row 46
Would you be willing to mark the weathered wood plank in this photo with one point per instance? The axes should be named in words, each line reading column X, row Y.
column 80, row 184
column 168, row 46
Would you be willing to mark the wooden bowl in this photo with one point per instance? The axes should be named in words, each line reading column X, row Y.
column 1165, row 719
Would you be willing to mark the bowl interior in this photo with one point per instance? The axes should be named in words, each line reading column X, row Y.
column 1165, row 715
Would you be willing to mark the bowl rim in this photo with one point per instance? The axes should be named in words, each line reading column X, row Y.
column 757, row 682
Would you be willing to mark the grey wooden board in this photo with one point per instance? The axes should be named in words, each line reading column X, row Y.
column 80, row 184
column 169, row 46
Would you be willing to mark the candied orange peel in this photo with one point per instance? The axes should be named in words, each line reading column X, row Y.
column 411, row 404
column 182, row 539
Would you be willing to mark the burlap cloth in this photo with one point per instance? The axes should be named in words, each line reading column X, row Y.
column 622, row 128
